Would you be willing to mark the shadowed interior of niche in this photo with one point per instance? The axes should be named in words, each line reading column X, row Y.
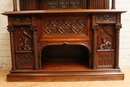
column 65, row 57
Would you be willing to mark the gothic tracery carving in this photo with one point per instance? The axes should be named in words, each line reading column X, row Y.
column 106, row 18
column 105, row 60
column 25, row 61
column 64, row 27
column 105, row 34
column 64, row 4
column 21, row 19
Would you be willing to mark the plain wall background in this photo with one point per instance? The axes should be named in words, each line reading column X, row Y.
column 124, row 57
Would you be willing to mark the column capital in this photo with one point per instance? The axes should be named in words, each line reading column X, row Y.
column 94, row 26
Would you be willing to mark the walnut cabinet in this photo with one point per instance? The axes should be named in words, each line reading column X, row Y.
column 64, row 40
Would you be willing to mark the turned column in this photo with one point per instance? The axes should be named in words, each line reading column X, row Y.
column 118, row 26
column 35, row 43
column 15, row 5
column 35, row 46
column 94, row 41
column 113, row 4
column 11, row 32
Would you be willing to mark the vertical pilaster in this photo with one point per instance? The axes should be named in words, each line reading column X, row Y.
column 94, row 41
column 11, row 32
column 40, row 66
column 113, row 4
column 118, row 26
column 15, row 5
column 35, row 43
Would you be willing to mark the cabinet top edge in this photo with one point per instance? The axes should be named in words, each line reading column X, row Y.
column 86, row 11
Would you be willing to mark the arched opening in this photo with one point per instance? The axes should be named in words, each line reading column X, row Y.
column 65, row 57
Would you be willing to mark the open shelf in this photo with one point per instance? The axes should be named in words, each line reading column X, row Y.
column 64, row 66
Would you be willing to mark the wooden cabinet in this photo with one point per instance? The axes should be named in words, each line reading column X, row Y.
column 64, row 40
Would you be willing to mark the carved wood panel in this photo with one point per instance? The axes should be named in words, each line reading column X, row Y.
column 23, row 39
column 105, row 59
column 106, row 37
column 64, row 26
column 24, row 61
column 106, row 18
column 64, row 4
column 98, row 4
column 22, row 20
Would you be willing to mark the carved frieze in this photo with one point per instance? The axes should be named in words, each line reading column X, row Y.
column 25, row 61
column 64, row 4
column 22, row 19
column 64, row 27
column 106, row 18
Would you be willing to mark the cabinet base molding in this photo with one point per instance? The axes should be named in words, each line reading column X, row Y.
column 49, row 76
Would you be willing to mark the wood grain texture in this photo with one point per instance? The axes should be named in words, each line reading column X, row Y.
column 68, row 42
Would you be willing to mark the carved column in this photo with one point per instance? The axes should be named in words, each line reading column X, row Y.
column 35, row 46
column 35, row 43
column 15, row 5
column 113, row 4
column 94, row 45
column 11, row 30
column 40, row 66
column 118, row 26
column 94, row 40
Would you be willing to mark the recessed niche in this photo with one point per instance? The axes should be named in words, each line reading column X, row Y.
column 65, row 57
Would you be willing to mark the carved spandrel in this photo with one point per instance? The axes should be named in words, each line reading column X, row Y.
column 64, row 4
column 105, row 29
column 64, row 27
column 106, row 18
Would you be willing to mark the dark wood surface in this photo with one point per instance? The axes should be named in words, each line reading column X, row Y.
column 65, row 43
column 81, row 11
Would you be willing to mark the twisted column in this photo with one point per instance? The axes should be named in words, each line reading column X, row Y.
column 11, row 30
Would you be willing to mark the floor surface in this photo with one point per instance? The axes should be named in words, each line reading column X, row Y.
column 120, row 83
